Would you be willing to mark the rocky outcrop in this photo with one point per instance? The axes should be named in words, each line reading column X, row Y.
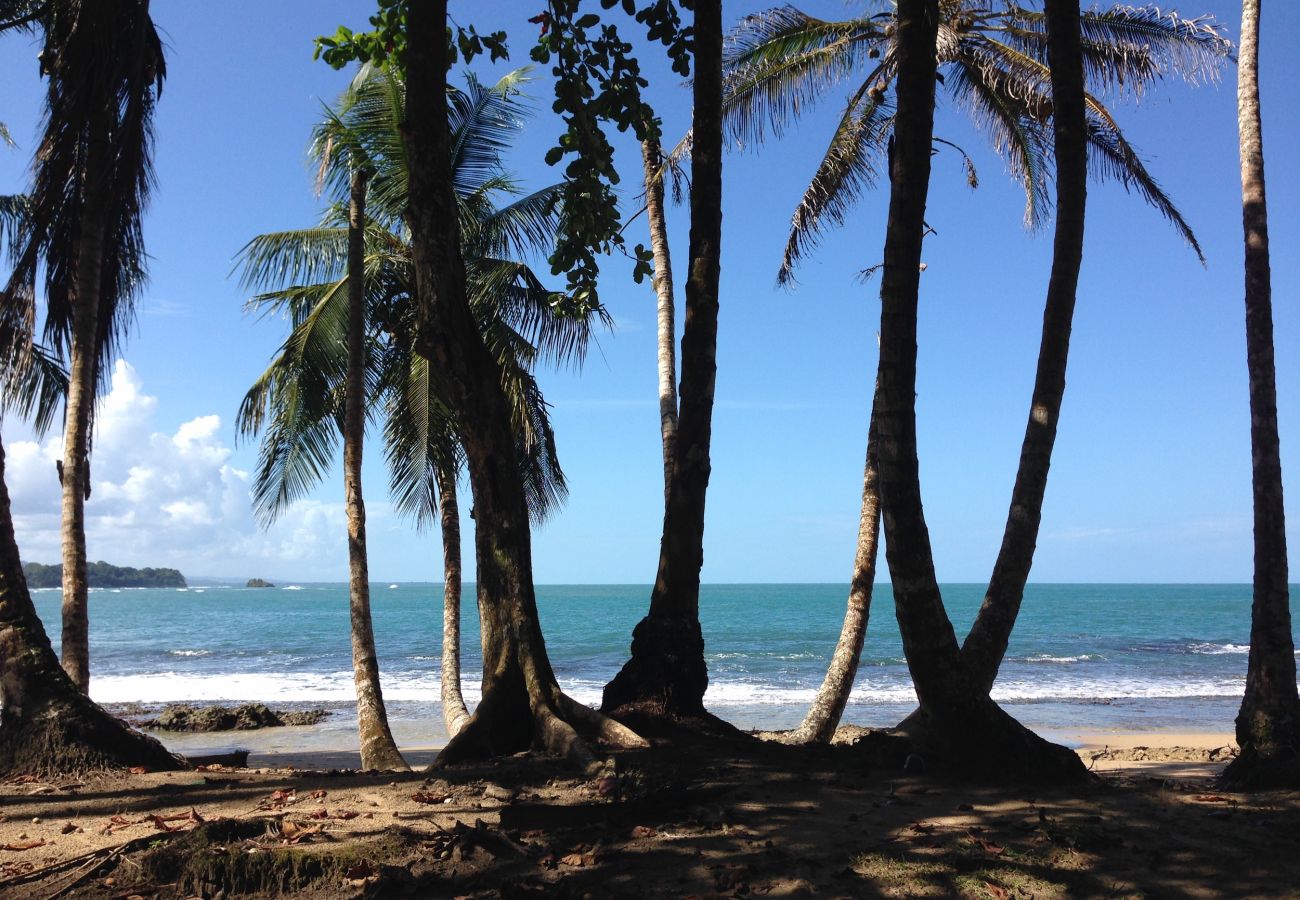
column 248, row 717
column 258, row 583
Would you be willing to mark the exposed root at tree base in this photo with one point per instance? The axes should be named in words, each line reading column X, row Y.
column 984, row 743
column 502, row 724
column 73, row 739
column 1255, row 771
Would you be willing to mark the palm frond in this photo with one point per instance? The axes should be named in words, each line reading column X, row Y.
column 847, row 169
column 419, row 436
column 777, row 64
column 36, row 388
column 524, row 228
column 1111, row 156
column 304, row 256
column 552, row 326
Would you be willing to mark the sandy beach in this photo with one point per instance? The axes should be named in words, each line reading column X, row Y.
column 719, row 817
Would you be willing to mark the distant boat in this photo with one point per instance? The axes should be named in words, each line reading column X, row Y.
column 391, row 586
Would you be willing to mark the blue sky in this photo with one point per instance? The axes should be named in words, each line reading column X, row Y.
column 1151, row 474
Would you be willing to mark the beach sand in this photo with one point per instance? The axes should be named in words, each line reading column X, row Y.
column 718, row 818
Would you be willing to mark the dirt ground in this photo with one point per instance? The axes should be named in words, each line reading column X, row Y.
column 718, row 818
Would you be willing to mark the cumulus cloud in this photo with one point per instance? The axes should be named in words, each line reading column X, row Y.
column 167, row 500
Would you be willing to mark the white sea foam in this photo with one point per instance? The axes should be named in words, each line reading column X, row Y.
column 189, row 652
column 292, row 587
column 1049, row 658
column 270, row 687
column 1206, row 649
column 392, row 586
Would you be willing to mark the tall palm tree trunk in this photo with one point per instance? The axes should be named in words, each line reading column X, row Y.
column 522, row 705
column 958, row 725
column 652, row 158
column 83, row 377
column 986, row 644
column 378, row 749
column 667, row 673
column 1268, row 725
column 47, row 725
column 454, row 712
column 823, row 717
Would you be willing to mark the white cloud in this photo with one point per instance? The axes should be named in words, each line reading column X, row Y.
column 167, row 500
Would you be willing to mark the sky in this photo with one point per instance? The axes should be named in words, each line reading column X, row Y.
column 1150, row 479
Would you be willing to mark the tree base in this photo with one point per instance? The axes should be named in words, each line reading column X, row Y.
column 666, row 674
column 1253, row 770
column 982, row 742
column 77, row 737
column 506, row 722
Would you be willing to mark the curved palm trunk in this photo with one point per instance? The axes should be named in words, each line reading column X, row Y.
column 986, row 644
column 652, row 158
column 378, row 749
column 953, row 707
column 1268, row 726
column 46, row 724
column 667, row 673
column 522, row 704
column 454, row 712
column 83, row 375
column 823, row 717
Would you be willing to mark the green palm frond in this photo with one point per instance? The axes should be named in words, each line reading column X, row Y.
column 5, row 137
column 14, row 211
column 552, row 326
column 779, row 63
column 36, row 388
column 303, row 256
column 524, row 228
column 847, row 170
column 419, row 436
column 483, row 121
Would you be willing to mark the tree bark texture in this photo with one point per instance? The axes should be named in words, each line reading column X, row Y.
column 47, row 725
column 667, row 673
column 653, row 159
column 454, row 712
column 378, row 749
column 986, row 644
column 522, row 705
column 823, row 717
column 83, row 377
column 1268, row 725
column 958, row 726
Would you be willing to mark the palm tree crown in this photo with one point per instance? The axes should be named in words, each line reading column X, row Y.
column 992, row 60
column 302, row 274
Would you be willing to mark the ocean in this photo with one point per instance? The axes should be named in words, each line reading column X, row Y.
column 1083, row 658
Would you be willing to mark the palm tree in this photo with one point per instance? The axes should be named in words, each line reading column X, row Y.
column 105, row 68
column 1268, row 726
column 994, row 61
column 653, row 163
column 298, row 398
column 666, row 673
column 47, row 725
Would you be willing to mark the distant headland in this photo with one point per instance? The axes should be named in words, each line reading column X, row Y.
column 102, row 575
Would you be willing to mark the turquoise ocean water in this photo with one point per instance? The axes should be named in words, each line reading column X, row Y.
column 1083, row 657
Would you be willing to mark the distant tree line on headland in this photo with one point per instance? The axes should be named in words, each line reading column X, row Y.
column 101, row 574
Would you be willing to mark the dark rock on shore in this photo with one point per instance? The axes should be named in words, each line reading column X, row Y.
column 248, row 717
column 258, row 583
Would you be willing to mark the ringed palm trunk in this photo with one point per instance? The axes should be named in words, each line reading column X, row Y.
column 823, row 717
column 522, row 705
column 47, row 725
column 958, row 725
column 454, row 712
column 83, row 376
column 986, row 644
column 1268, row 725
column 378, row 749
column 667, row 674
column 652, row 158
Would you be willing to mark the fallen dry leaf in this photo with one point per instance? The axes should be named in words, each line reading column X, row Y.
column 24, row 845
column 138, row 770
column 1213, row 798
column 576, row 860
column 360, row 871
column 998, row 892
column 293, row 832
column 643, row 831
column 318, row 794
column 424, row 797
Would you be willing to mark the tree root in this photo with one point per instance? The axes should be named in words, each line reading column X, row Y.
column 560, row 726
column 1255, row 771
column 73, row 738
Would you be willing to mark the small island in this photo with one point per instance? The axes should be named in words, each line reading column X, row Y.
column 258, row 583
column 103, row 575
